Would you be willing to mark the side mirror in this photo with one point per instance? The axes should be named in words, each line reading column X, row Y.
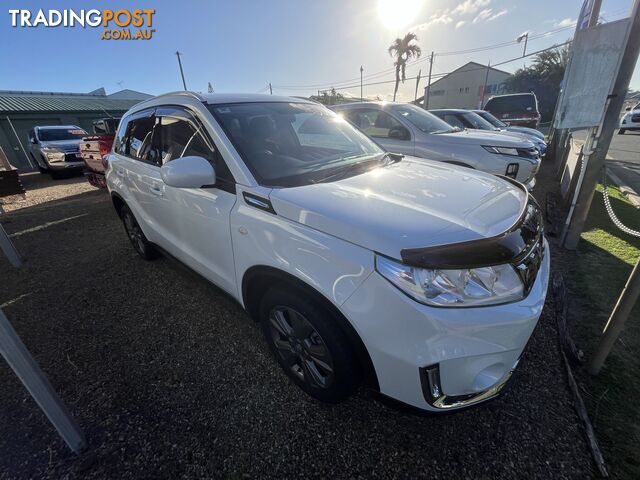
column 628, row 109
column 33, row 140
column 188, row 172
column 399, row 133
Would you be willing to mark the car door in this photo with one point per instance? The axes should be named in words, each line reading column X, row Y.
column 138, row 168
column 194, row 222
column 384, row 128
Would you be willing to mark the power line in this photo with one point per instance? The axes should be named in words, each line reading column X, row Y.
column 345, row 84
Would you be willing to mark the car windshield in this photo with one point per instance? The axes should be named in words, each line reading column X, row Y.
column 423, row 120
column 512, row 103
column 54, row 134
column 491, row 119
column 294, row 144
column 476, row 121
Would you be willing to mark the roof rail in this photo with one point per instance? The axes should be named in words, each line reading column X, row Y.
column 185, row 93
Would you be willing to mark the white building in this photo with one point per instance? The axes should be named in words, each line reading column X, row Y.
column 463, row 87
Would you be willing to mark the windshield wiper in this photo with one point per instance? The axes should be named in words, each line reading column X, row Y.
column 387, row 157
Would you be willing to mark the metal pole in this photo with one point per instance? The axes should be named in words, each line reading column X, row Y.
column 270, row 89
column 415, row 97
column 20, row 142
column 596, row 160
column 361, row 70
column 427, row 89
column 595, row 13
column 526, row 38
column 618, row 317
column 484, row 89
column 184, row 84
column 36, row 382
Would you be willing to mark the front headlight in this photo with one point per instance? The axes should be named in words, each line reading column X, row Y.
column 501, row 150
column 470, row 287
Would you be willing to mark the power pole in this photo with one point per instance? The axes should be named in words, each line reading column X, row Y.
column 597, row 144
column 415, row 98
column 184, row 84
column 361, row 70
column 615, row 325
column 484, row 89
column 428, row 87
column 270, row 89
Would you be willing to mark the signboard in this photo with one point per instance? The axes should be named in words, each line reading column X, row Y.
column 595, row 62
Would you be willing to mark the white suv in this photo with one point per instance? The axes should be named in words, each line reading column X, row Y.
column 421, row 279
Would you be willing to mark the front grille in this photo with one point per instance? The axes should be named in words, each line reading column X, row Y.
column 531, row 232
column 71, row 157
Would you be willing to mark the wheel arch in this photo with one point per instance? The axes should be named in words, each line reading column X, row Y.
column 118, row 203
column 256, row 280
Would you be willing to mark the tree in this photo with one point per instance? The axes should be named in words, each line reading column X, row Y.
column 543, row 77
column 403, row 50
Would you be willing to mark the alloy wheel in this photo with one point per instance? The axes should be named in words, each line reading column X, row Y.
column 134, row 232
column 301, row 347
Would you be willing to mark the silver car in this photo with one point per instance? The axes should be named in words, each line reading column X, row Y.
column 56, row 148
column 407, row 129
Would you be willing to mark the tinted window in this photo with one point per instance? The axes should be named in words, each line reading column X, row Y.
column 476, row 121
column 453, row 120
column 291, row 144
column 423, row 120
column 377, row 123
column 138, row 140
column 491, row 119
column 178, row 134
column 512, row 103
column 56, row 134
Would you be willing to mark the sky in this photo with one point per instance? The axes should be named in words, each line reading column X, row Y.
column 298, row 46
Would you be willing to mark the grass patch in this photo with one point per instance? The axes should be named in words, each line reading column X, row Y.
column 598, row 271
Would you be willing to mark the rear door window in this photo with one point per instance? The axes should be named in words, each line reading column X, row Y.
column 375, row 123
column 512, row 103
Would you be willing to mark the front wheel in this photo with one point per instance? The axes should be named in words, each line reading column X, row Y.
column 309, row 345
column 140, row 243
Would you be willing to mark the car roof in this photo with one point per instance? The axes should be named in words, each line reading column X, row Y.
column 368, row 104
column 217, row 98
column 451, row 110
column 52, row 127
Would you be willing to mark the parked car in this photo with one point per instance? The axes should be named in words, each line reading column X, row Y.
column 489, row 117
column 94, row 148
column 55, row 148
column 518, row 109
column 424, row 280
column 410, row 130
column 468, row 119
column 630, row 120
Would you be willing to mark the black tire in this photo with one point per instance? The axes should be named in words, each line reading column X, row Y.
column 142, row 246
column 621, row 131
column 298, row 363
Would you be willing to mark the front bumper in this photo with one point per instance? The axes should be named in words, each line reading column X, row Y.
column 65, row 165
column 474, row 349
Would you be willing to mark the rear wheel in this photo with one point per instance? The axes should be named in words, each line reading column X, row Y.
column 309, row 345
column 140, row 243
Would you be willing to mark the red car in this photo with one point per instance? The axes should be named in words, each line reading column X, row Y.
column 517, row 109
column 94, row 148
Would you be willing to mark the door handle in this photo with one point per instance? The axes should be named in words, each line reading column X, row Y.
column 156, row 190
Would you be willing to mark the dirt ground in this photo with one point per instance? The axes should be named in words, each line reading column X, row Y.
column 168, row 377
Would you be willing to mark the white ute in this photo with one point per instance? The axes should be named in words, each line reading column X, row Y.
column 421, row 279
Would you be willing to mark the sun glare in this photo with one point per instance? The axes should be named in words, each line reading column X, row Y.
column 395, row 14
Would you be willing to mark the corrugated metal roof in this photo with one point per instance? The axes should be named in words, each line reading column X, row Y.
column 62, row 103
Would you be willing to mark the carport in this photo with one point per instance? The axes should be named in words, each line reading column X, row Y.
column 20, row 111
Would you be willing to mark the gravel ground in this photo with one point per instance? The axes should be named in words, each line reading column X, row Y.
column 169, row 378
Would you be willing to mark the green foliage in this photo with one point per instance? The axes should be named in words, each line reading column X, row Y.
column 403, row 50
column 543, row 78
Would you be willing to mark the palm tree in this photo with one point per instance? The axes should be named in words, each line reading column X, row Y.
column 403, row 50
